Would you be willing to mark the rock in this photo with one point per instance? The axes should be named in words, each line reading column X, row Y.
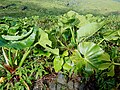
column 76, row 86
column 61, row 78
column 38, row 85
column 70, row 85
column 2, row 7
column 58, row 87
column 81, row 87
column 10, row 5
column 52, row 86
column 24, row 8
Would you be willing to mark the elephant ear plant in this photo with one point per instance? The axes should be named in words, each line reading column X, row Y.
column 95, row 58
column 15, row 49
column 17, row 41
column 81, row 55
column 70, row 43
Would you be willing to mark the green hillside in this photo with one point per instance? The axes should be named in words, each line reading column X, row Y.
column 22, row 8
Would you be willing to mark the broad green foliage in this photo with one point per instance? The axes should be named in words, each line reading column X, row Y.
column 14, row 38
column 71, row 43
column 46, row 43
column 94, row 56
column 65, row 53
column 19, row 42
column 88, row 30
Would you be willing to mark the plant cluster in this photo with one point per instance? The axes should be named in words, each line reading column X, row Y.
column 84, row 45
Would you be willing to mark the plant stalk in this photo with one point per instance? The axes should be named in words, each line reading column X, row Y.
column 10, row 60
column 117, row 64
column 25, row 84
column 101, row 41
column 73, row 37
column 24, row 57
column 5, row 56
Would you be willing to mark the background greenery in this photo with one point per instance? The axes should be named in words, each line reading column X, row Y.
column 22, row 8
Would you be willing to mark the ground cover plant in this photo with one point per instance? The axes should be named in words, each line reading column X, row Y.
column 83, row 48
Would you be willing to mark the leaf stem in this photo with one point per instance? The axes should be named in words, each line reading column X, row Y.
column 101, row 41
column 25, row 84
column 61, row 43
column 24, row 57
column 5, row 56
column 10, row 60
column 116, row 64
column 73, row 37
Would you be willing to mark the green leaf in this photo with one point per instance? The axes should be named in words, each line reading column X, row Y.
column 7, row 37
column 39, row 52
column 78, row 61
column 4, row 27
column 27, row 42
column 54, row 51
column 2, row 42
column 23, row 43
column 68, row 65
column 58, row 62
column 46, row 43
column 93, row 55
column 71, row 13
column 65, row 53
column 111, row 35
column 119, row 32
column 79, row 18
column 13, row 30
column 88, row 30
column 105, row 61
column 83, row 20
column 44, row 40
column 88, row 69
column 1, row 66
column 111, row 71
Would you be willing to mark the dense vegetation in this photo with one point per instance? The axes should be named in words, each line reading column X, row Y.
column 78, row 46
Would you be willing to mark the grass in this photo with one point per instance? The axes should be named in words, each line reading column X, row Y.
column 57, row 7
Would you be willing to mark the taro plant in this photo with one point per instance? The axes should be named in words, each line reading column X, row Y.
column 85, row 57
column 71, row 44
column 15, row 49
column 17, row 44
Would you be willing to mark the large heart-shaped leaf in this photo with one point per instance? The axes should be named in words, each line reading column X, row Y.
column 20, row 44
column 7, row 37
column 23, row 43
column 93, row 56
column 88, row 30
